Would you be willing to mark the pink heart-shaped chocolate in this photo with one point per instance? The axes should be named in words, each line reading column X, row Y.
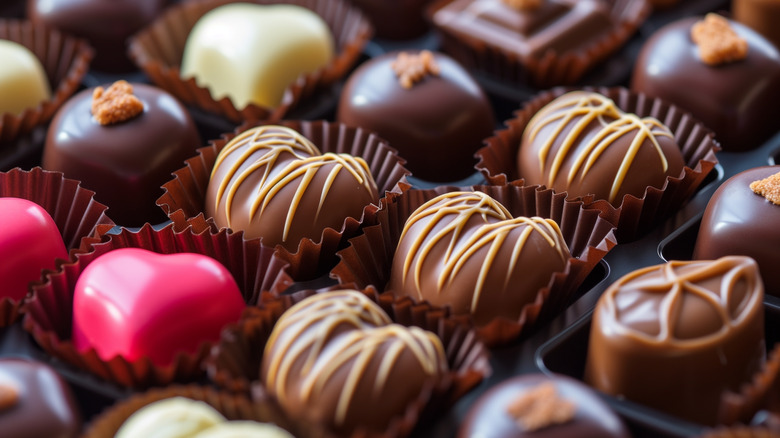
column 136, row 303
column 29, row 243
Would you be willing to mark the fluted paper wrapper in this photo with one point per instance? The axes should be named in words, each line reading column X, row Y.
column 184, row 196
column 761, row 393
column 551, row 68
column 49, row 309
column 368, row 259
column 235, row 361
column 65, row 60
column 635, row 216
column 231, row 406
column 73, row 208
column 158, row 50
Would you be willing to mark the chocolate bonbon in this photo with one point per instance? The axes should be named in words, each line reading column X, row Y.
column 736, row 99
column 739, row 220
column 23, row 82
column 436, row 122
column 697, row 327
column 466, row 251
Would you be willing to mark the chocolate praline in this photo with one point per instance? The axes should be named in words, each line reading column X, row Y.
column 491, row 417
column 737, row 100
column 36, row 402
column 738, row 221
column 125, row 163
column 106, row 24
column 696, row 328
column 436, row 125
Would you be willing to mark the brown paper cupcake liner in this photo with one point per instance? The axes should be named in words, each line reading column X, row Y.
column 368, row 258
column 552, row 68
column 49, row 309
column 73, row 208
column 231, row 406
column 64, row 58
column 184, row 196
column 235, row 361
column 762, row 392
column 158, row 51
column 635, row 216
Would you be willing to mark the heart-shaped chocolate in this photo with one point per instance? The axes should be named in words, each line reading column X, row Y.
column 29, row 243
column 466, row 251
column 136, row 303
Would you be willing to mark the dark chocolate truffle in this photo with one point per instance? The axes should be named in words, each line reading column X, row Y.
column 739, row 221
column 539, row 406
column 466, row 251
column 736, row 99
column 105, row 24
column 148, row 134
column 35, row 402
column 272, row 182
column 426, row 106
column 582, row 143
column 696, row 327
column 335, row 360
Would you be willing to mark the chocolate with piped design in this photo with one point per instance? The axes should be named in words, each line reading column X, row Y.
column 335, row 359
column 466, row 251
column 271, row 182
column 694, row 326
column 582, row 143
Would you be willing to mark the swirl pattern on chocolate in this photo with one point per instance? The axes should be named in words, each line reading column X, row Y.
column 465, row 249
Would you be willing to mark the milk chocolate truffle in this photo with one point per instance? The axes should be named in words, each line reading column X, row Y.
column 251, row 53
column 272, row 182
column 729, row 80
column 35, row 402
column 466, row 251
column 539, row 406
column 23, row 82
column 123, row 143
column 695, row 327
column 743, row 218
column 105, row 24
column 760, row 15
column 582, row 143
column 334, row 360
column 426, row 106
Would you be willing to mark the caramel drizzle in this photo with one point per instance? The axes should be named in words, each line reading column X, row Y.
column 464, row 205
column 592, row 106
column 731, row 270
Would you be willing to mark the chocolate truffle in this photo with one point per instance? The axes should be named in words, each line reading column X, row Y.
column 539, row 406
column 23, row 82
column 466, row 251
column 396, row 19
column 105, row 24
column 734, row 93
column 743, row 218
column 123, row 143
column 696, row 327
column 582, row 143
column 760, row 15
column 35, row 402
column 251, row 53
column 335, row 360
column 272, row 182
column 426, row 106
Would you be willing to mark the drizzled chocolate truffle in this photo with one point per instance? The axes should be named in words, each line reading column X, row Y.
column 582, row 143
column 426, row 106
column 724, row 73
column 697, row 327
column 743, row 218
column 336, row 360
column 272, row 182
column 466, row 251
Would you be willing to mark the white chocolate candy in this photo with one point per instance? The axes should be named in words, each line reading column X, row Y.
column 176, row 417
column 252, row 53
column 23, row 82
column 244, row 429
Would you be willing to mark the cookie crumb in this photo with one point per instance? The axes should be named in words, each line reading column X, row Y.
column 8, row 397
column 523, row 5
column 117, row 104
column 541, row 407
column 717, row 41
column 411, row 69
column 768, row 187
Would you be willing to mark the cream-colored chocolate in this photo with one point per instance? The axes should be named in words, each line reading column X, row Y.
column 176, row 417
column 23, row 82
column 244, row 429
column 251, row 53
